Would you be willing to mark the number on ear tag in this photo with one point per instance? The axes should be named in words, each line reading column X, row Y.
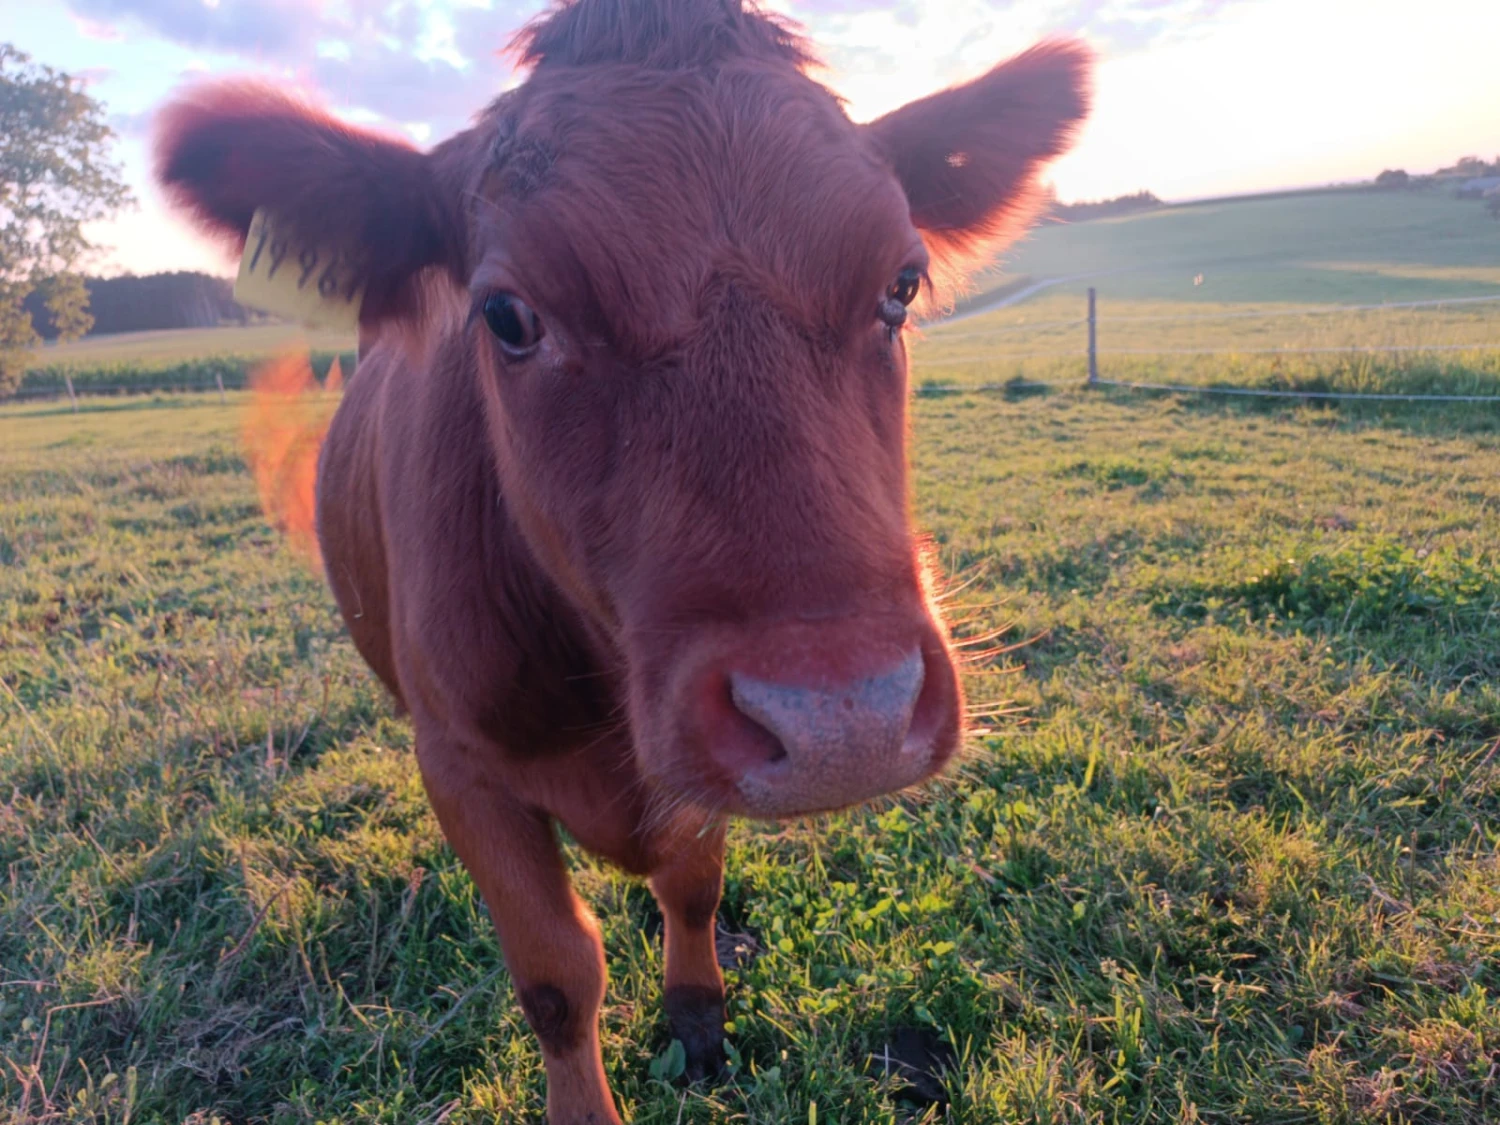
column 315, row 287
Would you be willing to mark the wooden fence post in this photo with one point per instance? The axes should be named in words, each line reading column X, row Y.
column 1093, row 341
column 73, row 398
column 219, row 379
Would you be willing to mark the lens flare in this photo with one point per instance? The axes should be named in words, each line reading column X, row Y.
column 284, row 428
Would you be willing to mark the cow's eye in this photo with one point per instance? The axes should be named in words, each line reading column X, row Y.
column 518, row 329
column 903, row 291
column 908, row 285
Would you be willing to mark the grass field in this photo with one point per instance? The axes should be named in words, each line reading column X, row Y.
column 1232, row 859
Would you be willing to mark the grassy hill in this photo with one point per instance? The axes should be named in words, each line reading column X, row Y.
column 1337, row 246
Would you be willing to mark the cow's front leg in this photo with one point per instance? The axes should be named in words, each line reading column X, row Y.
column 687, row 887
column 551, row 941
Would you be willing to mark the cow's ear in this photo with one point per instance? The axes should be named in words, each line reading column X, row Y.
column 969, row 157
column 226, row 149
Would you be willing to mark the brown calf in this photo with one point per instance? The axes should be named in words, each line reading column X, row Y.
column 617, row 502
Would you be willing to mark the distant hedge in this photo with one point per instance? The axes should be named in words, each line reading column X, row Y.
column 187, row 375
column 150, row 303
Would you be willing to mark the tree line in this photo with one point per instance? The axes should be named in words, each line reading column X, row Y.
column 1469, row 178
column 1104, row 208
column 146, row 304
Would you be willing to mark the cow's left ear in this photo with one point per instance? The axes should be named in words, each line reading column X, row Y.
column 968, row 157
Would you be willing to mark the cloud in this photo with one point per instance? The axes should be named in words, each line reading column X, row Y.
column 399, row 88
column 96, row 30
column 384, row 69
column 1125, row 27
column 367, row 56
column 272, row 27
column 906, row 11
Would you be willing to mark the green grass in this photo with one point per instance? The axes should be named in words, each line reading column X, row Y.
column 1232, row 859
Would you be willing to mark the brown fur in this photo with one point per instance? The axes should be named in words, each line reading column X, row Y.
column 613, row 581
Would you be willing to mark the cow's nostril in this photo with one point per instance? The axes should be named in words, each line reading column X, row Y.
column 861, row 722
column 751, row 746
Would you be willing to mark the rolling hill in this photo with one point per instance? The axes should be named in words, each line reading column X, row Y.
column 1349, row 246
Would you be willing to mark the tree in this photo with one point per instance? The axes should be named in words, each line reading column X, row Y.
column 67, row 298
column 1393, row 178
column 55, row 176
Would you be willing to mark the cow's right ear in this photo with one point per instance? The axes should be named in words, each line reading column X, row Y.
column 226, row 149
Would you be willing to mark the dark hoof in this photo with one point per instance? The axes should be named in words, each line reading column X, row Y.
column 696, row 1019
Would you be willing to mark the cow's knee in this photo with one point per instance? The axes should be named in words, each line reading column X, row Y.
column 561, row 993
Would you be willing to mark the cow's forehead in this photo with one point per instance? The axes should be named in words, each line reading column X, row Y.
column 661, row 180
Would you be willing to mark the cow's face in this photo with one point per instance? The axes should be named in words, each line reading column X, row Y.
column 685, row 298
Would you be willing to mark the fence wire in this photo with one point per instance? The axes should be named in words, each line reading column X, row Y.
column 1315, row 310
column 1351, row 349
column 1256, row 392
column 1094, row 354
column 1082, row 353
column 935, row 390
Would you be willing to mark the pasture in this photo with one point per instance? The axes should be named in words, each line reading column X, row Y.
column 1343, row 247
column 1223, row 849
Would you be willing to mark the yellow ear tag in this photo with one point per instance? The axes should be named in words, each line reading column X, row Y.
column 315, row 287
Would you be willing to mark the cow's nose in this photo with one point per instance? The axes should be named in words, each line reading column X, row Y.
column 835, row 744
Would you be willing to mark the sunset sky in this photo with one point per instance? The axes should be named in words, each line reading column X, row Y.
column 1194, row 98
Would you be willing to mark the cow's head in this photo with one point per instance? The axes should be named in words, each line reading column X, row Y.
column 684, row 278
